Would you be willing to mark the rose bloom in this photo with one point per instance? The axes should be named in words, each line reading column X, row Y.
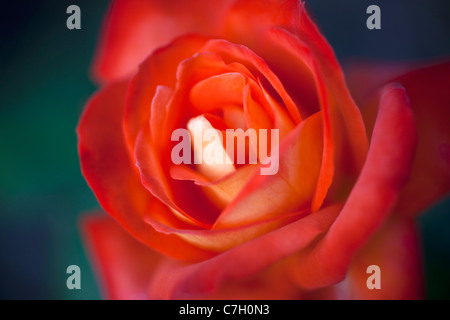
column 356, row 166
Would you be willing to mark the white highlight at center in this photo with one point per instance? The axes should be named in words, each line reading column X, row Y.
column 215, row 160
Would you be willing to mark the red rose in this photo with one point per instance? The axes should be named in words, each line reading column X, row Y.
column 334, row 204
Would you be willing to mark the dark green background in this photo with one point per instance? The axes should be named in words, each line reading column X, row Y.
column 44, row 83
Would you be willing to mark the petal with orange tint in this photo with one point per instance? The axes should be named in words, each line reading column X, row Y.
column 255, row 115
column 158, row 109
column 283, row 34
column 286, row 191
column 190, row 71
column 333, row 77
column 385, row 173
column 233, row 53
column 221, row 191
column 234, row 117
column 245, row 260
column 225, row 239
column 133, row 29
column 343, row 121
column 219, row 90
column 112, row 176
column 250, row 22
column 281, row 120
column 160, row 69
column 190, row 206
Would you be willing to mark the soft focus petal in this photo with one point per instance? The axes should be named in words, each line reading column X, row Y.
column 123, row 265
column 133, row 29
column 385, row 173
column 427, row 89
column 430, row 101
column 175, row 282
column 365, row 78
column 395, row 250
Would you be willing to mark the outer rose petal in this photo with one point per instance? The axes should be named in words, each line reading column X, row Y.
column 364, row 78
column 430, row 102
column 125, row 268
column 427, row 89
column 114, row 179
column 384, row 174
column 243, row 261
column 123, row 265
column 134, row 28
column 395, row 249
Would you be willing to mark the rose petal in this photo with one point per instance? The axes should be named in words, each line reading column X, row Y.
column 190, row 71
column 160, row 69
column 395, row 250
column 365, row 78
column 225, row 239
column 333, row 76
column 234, row 117
column 251, row 22
column 215, row 164
column 195, row 209
column 221, row 191
column 430, row 100
column 384, row 174
column 280, row 117
column 219, row 90
column 282, row 33
column 344, row 129
column 255, row 115
column 158, row 111
column 286, row 191
column 238, row 53
column 252, row 257
column 133, row 29
column 114, row 179
column 300, row 52
column 122, row 264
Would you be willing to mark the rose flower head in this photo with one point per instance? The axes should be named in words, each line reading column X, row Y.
column 234, row 162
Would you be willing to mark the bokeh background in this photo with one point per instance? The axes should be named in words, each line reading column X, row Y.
column 44, row 83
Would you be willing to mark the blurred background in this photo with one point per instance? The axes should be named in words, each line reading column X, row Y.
column 44, row 84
